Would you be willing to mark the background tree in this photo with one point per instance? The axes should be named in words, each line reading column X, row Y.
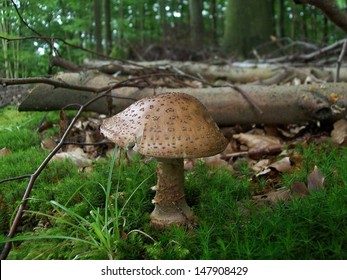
column 196, row 23
column 108, row 29
column 247, row 24
column 98, row 27
column 214, row 18
column 135, row 29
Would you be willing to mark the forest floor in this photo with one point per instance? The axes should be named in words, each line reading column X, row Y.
column 289, row 204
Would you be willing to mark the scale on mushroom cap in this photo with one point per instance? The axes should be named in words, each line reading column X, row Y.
column 169, row 127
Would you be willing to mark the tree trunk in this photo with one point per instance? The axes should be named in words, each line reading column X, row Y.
column 140, row 21
column 5, row 29
column 213, row 14
column 120, row 24
column 98, row 28
column 281, row 19
column 196, row 23
column 162, row 19
column 108, row 30
column 248, row 23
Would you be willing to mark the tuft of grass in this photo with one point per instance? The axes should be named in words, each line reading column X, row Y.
column 98, row 234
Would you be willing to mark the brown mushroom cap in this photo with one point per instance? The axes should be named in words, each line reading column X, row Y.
column 171, row 125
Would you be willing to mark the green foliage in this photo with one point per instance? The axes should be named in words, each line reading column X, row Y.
column 135, row 25
column 93, row 234
column 105, row 214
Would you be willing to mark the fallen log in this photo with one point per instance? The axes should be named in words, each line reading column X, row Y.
column 261, row 73
column 278, row 104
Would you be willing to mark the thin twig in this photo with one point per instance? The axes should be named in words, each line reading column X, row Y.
column 15, row 178
column 131, row 82
column 86, row 144
column 339, row 61
column 19, row 81
column 247, row 97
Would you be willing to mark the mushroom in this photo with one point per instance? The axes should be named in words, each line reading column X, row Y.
column 169, row 127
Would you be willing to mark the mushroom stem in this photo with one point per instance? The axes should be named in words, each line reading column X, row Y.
column 171, row 207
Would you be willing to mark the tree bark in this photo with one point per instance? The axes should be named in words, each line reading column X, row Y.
column 281, row 19
column 98, row 28
column 162, row 19
column 213, row 22
column 330, row 10
column 108, row 30
column 196, row 23
column 248, row 23
column 120, row 24
column 278, row 104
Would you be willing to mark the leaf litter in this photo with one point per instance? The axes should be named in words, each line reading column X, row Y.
column 268, row 152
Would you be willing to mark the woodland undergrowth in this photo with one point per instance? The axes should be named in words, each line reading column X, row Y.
column 101, row 211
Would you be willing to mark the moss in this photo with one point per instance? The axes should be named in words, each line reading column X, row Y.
column 313, row 227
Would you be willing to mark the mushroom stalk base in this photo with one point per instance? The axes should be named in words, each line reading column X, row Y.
column 171, row 207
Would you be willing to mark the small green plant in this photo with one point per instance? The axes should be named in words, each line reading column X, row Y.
column 101, row 231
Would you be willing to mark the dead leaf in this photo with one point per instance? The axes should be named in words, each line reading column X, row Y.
column 217, row 161
column 282, row 194
column 339, row 133
column 255, row 141
column 299, row 189
column 261, row 165
column 291, row 131
column 315, row 181
column 90, row 140
column 63, row 123
column 48, row 144
column 77, row 156
column 5, row 151
column 189, row 164
column 88, row 169
column 281, row 166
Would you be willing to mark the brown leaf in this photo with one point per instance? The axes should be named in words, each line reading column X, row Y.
column 90, row 140
column 339, row 133
column 261, row 165
column 48, row 144
column 77, row 156
column 256, row 142
column 216, row 161
column 189, row 164
column 5, row 151
column 63, row 123
column 299, row 189
column 315, row 181
column 282, row 194
column 291, row 131
column 282, row 165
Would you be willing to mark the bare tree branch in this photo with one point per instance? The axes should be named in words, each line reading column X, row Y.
column 330, row 9
column 49, row 42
